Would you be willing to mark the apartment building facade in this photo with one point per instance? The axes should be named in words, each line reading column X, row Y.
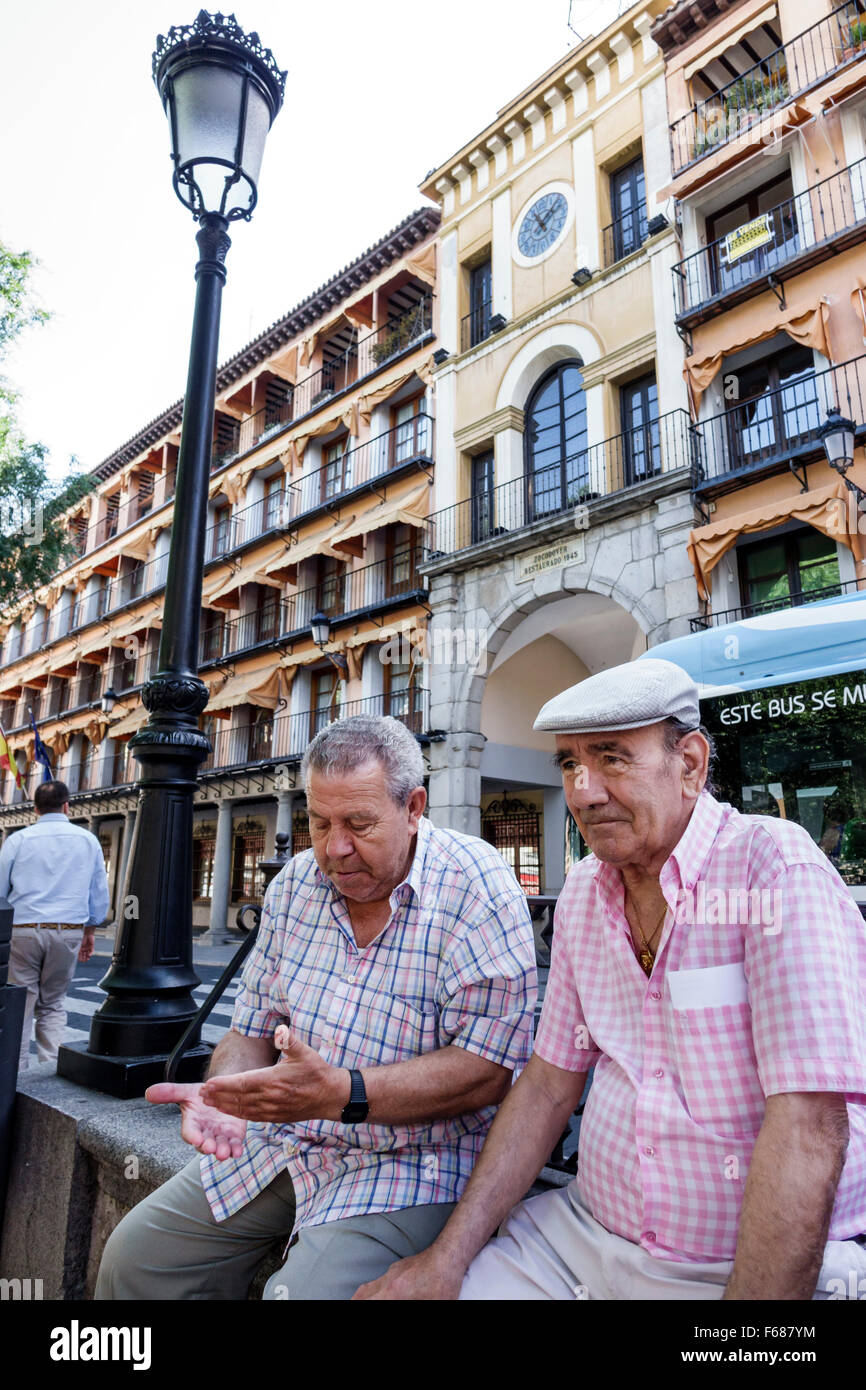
column 767, row 113
column 564, row 473
column 321, row 480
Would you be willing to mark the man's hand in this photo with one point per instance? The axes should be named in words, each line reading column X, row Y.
column 85, row 950
column 300, row 1086
column 205, row 1128
column 426, row 1277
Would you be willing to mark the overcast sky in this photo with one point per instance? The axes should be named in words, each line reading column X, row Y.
column 377, row 94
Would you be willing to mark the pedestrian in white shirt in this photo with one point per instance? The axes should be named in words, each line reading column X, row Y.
column 53, row 875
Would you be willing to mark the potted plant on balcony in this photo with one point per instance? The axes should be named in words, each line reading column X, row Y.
column 398, row 335
column 854, row 40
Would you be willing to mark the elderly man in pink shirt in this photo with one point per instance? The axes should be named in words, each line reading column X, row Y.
column 711, row 967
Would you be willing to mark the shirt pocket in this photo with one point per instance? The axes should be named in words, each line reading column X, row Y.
column 374, row 1028
column 717, row 1068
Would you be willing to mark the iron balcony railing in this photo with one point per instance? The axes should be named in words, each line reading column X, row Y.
column 802, row 223
column 386, row 582
column 627, row 234
column 623, row 461
column 362, row 358
column 284, row 736
column 475, row 326
column 282, row 508
column 780, row 425
column 776, row 605
column 822, row 49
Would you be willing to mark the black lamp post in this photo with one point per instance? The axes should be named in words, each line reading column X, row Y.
column 837, row 435
column 221, row 91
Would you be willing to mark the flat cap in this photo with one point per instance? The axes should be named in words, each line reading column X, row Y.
column 625, row 697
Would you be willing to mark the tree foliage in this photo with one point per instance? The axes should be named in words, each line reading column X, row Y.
column 34, row 545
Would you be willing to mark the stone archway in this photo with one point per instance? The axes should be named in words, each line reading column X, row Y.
column 458, row 691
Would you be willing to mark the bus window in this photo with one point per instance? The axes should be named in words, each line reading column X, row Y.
column 799, row 751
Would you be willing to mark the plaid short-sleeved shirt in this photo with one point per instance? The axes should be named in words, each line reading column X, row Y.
column 758, row 988
column 454, row 966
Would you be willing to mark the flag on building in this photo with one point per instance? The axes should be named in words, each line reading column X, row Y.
column 7, row 762
column 41, row 753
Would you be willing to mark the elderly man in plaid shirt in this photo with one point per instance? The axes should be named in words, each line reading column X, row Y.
column 395, row 972
column 711, row 967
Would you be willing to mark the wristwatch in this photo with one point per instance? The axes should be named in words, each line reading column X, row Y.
column 355, row 1113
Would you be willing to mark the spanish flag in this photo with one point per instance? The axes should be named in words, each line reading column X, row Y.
column 7, row 761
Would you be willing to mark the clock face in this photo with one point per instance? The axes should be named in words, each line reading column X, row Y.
column 542, row 225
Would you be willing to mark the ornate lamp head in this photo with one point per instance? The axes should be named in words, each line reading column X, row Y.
column 221, row 90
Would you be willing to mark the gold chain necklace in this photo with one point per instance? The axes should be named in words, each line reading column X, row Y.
column 647, row 955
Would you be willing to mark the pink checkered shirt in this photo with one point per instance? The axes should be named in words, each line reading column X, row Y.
column 762, row 994
column 455, row 966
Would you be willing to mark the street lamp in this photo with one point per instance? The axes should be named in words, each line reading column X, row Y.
column 221, row 90
column 108, row 701
column 837, row 435
column 320, row 631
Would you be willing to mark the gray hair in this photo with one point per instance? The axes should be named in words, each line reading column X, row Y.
column 674, row 731
column 349, row 743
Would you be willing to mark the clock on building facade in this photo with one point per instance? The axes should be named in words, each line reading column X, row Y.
column 543, row 224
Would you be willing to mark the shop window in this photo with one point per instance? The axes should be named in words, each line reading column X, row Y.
column 301, row 838
column 788, row 571
column 248, row 848
column 513, row 827
column 203, row 850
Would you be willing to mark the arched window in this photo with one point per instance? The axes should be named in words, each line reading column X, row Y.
column 557, row 462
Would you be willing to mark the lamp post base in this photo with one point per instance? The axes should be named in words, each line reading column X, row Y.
column 126, row 1077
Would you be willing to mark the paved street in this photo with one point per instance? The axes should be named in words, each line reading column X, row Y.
column 85, row 997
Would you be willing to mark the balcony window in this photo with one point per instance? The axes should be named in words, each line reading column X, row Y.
column 401, row 573
column 267, row 616
column 628, row 210
column 770, row 215
column 639, row 414
column 402, row 697
column 112, row 513
column 88, row 765
column 213, row 635
column 124, row 671
column 278, row 407
column 261, row 736
column 325, row 699
column 411, row 431
column 555, row 442
column 482, row 496
column 144, row 495
column 776, row 409
column 337, row 471
column 477, row 321
column 330, row 587
column 273, row 503
column 222, row 531
column 788, row 571
column 226, row 440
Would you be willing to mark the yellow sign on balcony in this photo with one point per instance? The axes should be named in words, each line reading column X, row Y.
column 748, row 237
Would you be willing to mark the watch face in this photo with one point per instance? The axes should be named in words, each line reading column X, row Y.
column 542, row 224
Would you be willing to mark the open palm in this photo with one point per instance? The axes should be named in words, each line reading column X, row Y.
column 204, row 1127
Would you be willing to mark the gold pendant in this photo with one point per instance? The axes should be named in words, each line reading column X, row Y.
column 646, row 959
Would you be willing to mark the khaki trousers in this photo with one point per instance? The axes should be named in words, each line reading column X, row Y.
column 43, row 959
column 170, row 1246
column 551, row 1248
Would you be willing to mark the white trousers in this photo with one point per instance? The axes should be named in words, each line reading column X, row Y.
column 550, row 1247
column 43, row 960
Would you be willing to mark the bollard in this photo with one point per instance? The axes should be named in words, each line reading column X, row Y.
column 12, row 1000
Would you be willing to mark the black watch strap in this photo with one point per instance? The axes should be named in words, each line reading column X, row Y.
column 355, row 1113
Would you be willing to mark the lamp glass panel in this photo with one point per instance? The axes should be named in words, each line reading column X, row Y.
column 839, row 446
column 255, row 133
column 208, row 106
